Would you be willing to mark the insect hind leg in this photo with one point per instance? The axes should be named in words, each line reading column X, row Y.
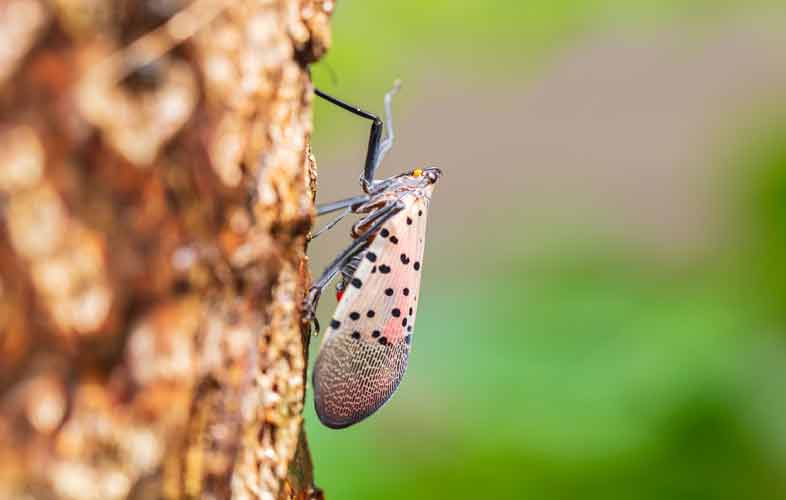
column 358, row 245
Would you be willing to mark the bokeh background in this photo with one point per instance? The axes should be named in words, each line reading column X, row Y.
column 604, row 295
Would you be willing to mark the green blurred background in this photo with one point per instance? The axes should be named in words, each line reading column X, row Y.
column 603, row 311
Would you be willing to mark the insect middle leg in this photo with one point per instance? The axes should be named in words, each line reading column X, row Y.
column 326, row 208
column 347, row 204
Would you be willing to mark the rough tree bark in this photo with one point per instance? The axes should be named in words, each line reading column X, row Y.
column 156, row 188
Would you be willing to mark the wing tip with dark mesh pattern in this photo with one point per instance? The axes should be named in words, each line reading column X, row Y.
column 338, row 421
column 343, row 398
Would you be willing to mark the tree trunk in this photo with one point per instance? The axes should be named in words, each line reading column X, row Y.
column 156, row 188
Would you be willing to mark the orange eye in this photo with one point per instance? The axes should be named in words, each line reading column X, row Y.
column 417, row 172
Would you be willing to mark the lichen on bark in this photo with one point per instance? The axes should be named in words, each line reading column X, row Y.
column 156, row 189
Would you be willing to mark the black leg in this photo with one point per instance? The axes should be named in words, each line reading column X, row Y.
column 326, row 208
column 374, row 136
column 330, row 224
column 346, row 204
column 358, row 245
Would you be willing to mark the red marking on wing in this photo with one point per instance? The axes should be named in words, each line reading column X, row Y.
column 356, row 374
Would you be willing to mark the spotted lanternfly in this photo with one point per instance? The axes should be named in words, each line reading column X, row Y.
column 366, row 348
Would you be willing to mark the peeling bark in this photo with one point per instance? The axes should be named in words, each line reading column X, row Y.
column 156, row 189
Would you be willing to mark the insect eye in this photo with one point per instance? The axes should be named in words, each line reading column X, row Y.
column 417, row 172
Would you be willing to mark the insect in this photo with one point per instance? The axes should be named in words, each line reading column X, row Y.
column 366, row 347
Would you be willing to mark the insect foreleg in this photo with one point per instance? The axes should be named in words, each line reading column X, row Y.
column 387, row 143
column 377, row 147
column 373, row 140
